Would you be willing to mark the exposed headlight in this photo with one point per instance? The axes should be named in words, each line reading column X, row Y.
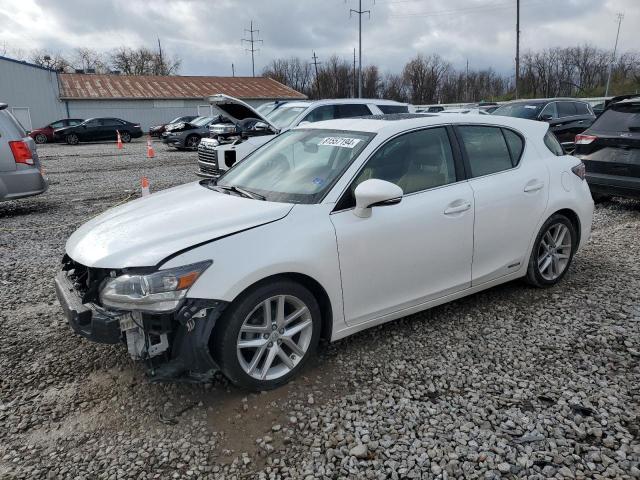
column 160, row 291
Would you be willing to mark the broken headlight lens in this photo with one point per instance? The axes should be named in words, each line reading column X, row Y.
column 160, row 291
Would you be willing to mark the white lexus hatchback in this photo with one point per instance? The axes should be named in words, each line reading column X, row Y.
column 328, row 229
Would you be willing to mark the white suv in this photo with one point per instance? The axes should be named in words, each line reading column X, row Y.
column 215, row 158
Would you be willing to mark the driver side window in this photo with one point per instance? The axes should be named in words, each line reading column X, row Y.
column 414, row 161
column 550, row 109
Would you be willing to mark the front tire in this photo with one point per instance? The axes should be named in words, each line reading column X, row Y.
column 125, row 137
column 192, row 142
column 41, row 138
column 72, row 139
column 266, row 335
column 552, row 252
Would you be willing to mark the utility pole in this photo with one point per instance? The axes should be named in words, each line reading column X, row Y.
column 161, row 72
column 353, row 91
column 360, row 12
column 613, row 57
column 233, row 70
column 517, row 49
column 252, row 41
column 315, row 64
column 466, row 83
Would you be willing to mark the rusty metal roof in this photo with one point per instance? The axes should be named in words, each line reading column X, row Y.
column 78, row 86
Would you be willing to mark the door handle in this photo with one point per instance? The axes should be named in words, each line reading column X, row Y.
column 457, row 208
column 533, row 187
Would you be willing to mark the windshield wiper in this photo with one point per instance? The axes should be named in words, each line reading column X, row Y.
column 242, row 191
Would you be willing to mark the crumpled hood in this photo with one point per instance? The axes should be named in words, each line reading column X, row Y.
column 147, row 230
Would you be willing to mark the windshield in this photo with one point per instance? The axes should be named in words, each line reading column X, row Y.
column 283, row 116
column 298, row 166
column 201, row 121
column 520, row 110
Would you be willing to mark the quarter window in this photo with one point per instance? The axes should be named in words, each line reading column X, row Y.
column 415, row 161
column 515, row 144
column 582, row 108
column 486, row 150
column 553, row 144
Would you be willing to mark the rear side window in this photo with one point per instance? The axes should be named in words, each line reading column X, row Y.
column 350, row 110
column 582, row 108
column 619, row 118
column 515, row 144
column 325, row 112
column 388, row 109
column 13, row 121
column 553, row 144
column 566, row 109
column 486, row 150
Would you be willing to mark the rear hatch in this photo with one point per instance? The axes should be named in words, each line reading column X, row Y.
column 612, row 145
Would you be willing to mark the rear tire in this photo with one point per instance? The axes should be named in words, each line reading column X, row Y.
column 41, row 138
column 552, row 252
column 267, row 335
column 72, row 139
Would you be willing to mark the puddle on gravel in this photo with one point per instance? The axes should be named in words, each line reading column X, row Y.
column 241, row 425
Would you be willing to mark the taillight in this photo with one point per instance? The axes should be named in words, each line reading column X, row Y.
column 585, row 139
column 580, row 170
column 21, row 152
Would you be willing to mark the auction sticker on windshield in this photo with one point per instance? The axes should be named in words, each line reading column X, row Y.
column 340, row 142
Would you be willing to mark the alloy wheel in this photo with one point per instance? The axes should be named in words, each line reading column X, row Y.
column 554, row 251
column 41, row 138
column 72, row 139
column 125, row 137
column 274, row 337
column 192, row 142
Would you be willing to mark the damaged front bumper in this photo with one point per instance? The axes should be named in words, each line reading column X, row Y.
column 174, row 345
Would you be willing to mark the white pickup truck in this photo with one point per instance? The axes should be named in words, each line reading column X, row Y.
column 215, row 158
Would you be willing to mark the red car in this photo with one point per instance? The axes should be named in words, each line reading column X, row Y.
column 45, row 134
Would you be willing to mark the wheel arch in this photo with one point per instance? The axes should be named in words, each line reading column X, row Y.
column 573, row 218
column 316, row 289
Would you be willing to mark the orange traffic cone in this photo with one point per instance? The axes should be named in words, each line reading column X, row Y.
column 144, row 183
column 119, row 140
column 150, row 152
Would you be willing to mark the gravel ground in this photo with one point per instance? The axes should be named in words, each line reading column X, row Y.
column 511, row 382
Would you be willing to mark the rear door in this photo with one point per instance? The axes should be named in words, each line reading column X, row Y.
column 510, row 188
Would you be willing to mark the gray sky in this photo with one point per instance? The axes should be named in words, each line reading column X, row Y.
column 206, row 33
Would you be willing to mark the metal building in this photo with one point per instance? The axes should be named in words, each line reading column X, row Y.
column 32, row 92
column 38, row 96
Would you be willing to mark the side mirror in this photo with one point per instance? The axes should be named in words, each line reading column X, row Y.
column 375, row 193
column 546, row 117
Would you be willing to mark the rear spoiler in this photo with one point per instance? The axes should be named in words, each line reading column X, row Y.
column 3, row 106
column 619, row 98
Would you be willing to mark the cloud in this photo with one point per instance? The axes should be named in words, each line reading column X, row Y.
column 206, row 35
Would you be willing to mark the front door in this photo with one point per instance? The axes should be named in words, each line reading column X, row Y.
column 417, row 250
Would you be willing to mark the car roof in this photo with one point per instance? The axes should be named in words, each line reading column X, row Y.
column 538, row 101
column 342, row 101
column 397, row 123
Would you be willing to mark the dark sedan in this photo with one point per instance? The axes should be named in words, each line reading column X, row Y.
column 610, row 150
column 99, row 129
column 158, row 130
column 566, row 117
column 45, row 134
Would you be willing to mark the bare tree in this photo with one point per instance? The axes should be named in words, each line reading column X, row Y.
column 142, row 61
column 55, row 61
column 290, row 71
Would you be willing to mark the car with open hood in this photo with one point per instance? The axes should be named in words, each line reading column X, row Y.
column 158, row 130
column 330, row 228
column 187, row 135
column 214, row 156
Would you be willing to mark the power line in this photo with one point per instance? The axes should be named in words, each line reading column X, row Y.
column 517, row 48
column 620, row 16
column 360, row 12
column 252, row 41
column 480, row 8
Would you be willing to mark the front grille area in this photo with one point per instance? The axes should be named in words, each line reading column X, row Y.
column 208, row 154
column 86, row 281
column 207, row 169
